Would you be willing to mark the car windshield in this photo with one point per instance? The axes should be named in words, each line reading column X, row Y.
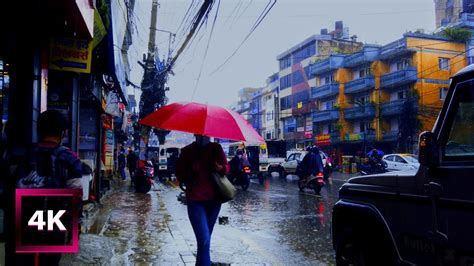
column 411, row 158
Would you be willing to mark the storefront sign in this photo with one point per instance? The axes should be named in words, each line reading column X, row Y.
column 308, row 135
column 324, row 139
column 107, row 121
column 354, row 137
column 300, row 105
column 69, row 54
column 300, row 129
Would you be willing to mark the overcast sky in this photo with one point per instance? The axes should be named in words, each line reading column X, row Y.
column 288, row 23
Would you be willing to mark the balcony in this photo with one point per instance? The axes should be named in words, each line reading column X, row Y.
column 395, row 49
column 327, row 90
column 392, row 108
column 397, row 78
column 320, row 116
column 329, row 64
column 359, row 85
column 368, row 54
column 466, row 20
column 390, row 136
column 359, row 112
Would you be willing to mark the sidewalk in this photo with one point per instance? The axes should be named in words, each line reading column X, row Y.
column 132, row 229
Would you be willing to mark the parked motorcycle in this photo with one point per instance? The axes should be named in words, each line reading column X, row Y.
column 377, row 167
column 144, row 178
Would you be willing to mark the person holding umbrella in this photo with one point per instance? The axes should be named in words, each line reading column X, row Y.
column 194, row 167
column 201, row 158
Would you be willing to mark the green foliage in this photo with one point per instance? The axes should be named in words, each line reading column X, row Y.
column 457, row 34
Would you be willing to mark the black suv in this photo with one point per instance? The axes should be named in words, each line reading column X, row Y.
column 418, row 217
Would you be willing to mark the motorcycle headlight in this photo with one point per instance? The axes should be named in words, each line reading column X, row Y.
column 329, row 164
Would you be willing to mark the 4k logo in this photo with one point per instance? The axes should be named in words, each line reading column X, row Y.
column 38, row 221
column 47, row 220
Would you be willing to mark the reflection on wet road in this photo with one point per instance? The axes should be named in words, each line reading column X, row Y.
column 301, row 221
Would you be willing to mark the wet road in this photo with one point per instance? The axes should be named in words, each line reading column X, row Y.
column 269, row 224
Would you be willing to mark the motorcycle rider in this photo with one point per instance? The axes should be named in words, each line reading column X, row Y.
column 237, row 163
column 375, row 157
column 312, row 164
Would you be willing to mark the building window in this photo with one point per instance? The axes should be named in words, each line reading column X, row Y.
column 402, row 95
column 297, row 78
column 443, row 63
column 361, row 101
column 365, row 72
column 285, row 81
column 269, row 116
column 329, row 79
column 285, row 62
column 285, row 102
column 403, row 64
column 328, row 105
column 442, row 93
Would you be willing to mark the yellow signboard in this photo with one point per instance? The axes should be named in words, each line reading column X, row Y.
column 300, row 105
column 70, row 55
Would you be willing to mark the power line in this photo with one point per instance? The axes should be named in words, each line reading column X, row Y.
column 257, row 23
column 207, row 49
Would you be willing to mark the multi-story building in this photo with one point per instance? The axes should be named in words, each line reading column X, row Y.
column 448, row 11
column 296, row 81
column 269, row 111
column 457, row 14
column 383, row 95
column 242, row 106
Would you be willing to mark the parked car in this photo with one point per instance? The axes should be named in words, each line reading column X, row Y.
column 401, row 161
column 416, row 217
column 295, row 157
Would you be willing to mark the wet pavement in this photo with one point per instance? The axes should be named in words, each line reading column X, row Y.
column 269, row 224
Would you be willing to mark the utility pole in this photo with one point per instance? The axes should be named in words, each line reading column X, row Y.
column 152, row 86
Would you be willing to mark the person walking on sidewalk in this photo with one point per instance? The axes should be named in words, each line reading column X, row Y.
column 122, row 163
column 132, row 162
column 194, row 168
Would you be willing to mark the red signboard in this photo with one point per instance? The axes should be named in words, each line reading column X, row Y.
column 324, row 139
column 308, row 135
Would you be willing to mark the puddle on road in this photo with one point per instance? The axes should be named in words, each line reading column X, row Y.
column 133, row 222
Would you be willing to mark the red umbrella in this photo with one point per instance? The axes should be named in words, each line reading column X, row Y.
column 203, row 119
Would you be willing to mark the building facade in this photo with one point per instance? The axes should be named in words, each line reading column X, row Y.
column 296, row 81
column 383, row 95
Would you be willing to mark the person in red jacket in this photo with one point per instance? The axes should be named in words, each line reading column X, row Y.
column 195, row 164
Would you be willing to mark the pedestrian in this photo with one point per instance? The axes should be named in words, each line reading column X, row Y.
column 132, row 162
column 59, row 167
column 194, row 167
column 122, row 163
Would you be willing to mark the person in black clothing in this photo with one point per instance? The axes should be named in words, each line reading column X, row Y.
column 312, row 164
column 122, row 163
column 65, row 171
column 132, row 162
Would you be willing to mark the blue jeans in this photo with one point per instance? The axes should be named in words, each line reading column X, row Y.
column 203, row 216
column 122, row 173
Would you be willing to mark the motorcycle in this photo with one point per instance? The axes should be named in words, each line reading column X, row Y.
column 377, row 167
column 241, row 178
column 327, row 170
column 315, row 182
column 144, row 178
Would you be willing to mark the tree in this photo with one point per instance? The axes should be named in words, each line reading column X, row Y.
column 457, row 34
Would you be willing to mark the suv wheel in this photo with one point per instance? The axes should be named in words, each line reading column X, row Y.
column 348, row 252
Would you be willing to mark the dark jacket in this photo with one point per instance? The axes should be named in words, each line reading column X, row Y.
column 132, row 160
column 194, row 167
column 312, row 164
column 69, row 161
